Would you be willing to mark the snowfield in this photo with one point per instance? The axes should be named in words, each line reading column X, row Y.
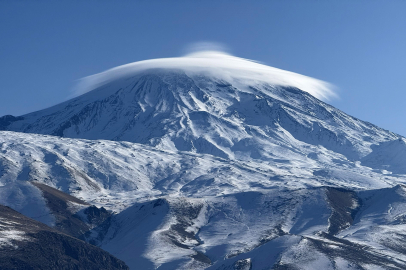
column 117, row 174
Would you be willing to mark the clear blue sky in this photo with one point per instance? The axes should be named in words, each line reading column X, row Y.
column 359, row 46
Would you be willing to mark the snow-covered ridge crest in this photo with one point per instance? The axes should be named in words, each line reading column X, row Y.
column 217, row 64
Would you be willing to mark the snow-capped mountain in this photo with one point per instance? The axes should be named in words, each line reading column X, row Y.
column 207, row 103
column 211, row 161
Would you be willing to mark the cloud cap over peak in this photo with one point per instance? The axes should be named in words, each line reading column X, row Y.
column 218, row 64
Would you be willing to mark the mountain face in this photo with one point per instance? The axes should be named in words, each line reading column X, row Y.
column 277, row 229
column 210, row 162
column 198, row 110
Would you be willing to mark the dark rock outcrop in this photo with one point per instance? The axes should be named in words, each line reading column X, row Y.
column 41, row 247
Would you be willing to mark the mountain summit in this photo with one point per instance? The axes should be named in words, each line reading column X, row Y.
column 206, row 102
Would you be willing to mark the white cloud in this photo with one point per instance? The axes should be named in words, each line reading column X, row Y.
column 207, row 58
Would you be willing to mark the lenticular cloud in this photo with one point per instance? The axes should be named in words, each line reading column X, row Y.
column 217, row 64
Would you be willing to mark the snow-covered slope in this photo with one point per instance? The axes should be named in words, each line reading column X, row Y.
column 117, row 174
column 199, row 210
column 276, row 229
column 212, row 161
